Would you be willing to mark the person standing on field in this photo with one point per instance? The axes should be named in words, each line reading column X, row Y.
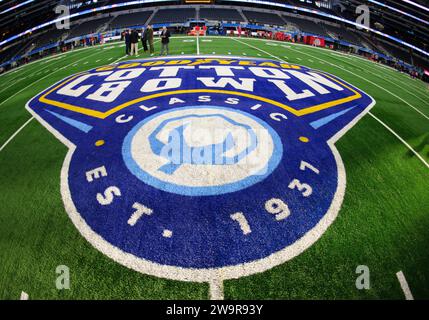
column 127, row 42
column 144, row 39
column 150, row 39
column 134, row 38
column 165, row 39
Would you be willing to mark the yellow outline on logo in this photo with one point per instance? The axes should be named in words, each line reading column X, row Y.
column 103, row 115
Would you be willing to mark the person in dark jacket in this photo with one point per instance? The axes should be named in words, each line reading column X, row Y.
column 165, row 39
column 144, row 38
column 134, row 39
column 127, row 42
column 149, row 37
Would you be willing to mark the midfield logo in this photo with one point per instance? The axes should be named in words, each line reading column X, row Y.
column 201, row 168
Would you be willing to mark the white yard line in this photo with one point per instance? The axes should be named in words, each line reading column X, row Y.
column 216, row 289
column 400, row 139
column 119, row 59
column 12, row 84
column 404, row 285
column 267, row 53
column 198, row 44
column 15, row 134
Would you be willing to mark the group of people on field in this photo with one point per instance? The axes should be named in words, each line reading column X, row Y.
column 132, row 37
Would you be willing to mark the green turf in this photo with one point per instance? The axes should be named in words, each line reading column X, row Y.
column 383, row 222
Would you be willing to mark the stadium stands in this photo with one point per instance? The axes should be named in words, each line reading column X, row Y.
column 263, row 18
column 307, row 25
column 173, row 15
column 342, row 34
column 51, row 36
column 87, row 27
column 220, row 14
column 130, row 19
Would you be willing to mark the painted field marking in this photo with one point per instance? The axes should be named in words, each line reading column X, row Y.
column 383, row 77
column 216, row 289
column 119, row 59
column 251, row 46
column 393, row 71
column 31, row 84
column 198, row 44
column 404, row 285
column 15, row 134
column 24, row 296
column 41, row 61
column 400, row 139
column 373, row 83
column 381, row 122
column 401, row 86
column 12, row 84
column 167, row 233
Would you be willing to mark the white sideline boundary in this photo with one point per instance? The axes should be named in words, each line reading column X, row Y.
column 404, row 285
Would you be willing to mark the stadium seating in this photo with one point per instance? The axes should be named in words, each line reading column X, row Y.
column 263, row 18
column 395, row 51
column 52, row 36
column 307, row 25
column 130, row 19
column 173, row 15
column 87, row 27
column 220, row 14
column 342, row 34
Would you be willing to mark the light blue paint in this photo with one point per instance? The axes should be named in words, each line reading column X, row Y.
column 321, row 122
column 77, row 124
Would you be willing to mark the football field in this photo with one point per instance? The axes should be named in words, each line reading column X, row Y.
column 383, row 222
